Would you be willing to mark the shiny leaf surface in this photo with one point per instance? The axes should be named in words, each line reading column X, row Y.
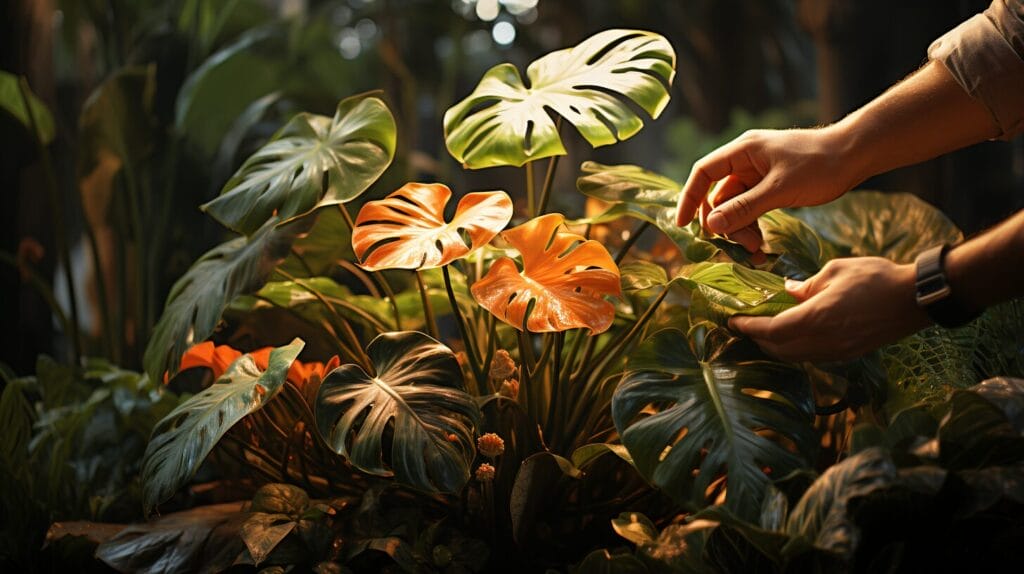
column 407, row 230
column 311, row 162
column 562, row 285
column 505, row 122
column 411, row 418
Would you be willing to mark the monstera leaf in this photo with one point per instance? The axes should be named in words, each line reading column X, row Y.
column 313, row 161
column 183, row 439
column 687, row 422
column 196, row 301
column 407, row 229
column 563, row 283
column 896, row 226
column 413, row 400
column 504, row 122
column 731, row 289
column 647, row 196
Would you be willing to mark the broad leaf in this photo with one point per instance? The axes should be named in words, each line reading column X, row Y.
column 196, row 301
column 311, row 162
column 532, row 492
column 648, row 196
column 896, row 226
column 687, row 423
column 412, row 409
column 201, row 539
column 802, row 252
column 504, row 122
column 12, row 103
column 640, row 275
column 262, row 532
column 731, row 289
column 822, row 515
column 563, row 283
column 407, row 229
column 183, row 439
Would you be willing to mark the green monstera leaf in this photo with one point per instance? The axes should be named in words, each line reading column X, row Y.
column 183, row 439
column 504, row 122
column 896, row 226
column 688, row 421
column 197, row 300
column 414, row 400
column 647, row 196
column 311, row 162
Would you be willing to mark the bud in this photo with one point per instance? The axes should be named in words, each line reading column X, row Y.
column 502, row 366
column 485, row 473
column 490, row 445
column 509, row 389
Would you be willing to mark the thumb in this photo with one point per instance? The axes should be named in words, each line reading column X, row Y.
column 739, row 212
column 804, row 290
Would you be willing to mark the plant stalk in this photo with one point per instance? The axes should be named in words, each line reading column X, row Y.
column 637, row 232
column 59, row 225
column 428, row 311
column 379, row 277
column 530, row 191
column 549, row 178
column 471, row 353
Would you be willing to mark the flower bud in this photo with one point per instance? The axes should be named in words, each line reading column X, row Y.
column 509, row 389
column 485, row 473
column 502, row 366
column 490, row 445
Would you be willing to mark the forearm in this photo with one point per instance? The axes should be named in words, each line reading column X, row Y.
column 924, row 116
column 989, row 269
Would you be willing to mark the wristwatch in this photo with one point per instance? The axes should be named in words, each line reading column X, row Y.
column 934, row 294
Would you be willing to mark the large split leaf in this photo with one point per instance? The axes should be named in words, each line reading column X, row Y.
column 563, row 283
column 313, row 161
column 414, row 400
column 183, row 439
column 647, row 196
column 196, row 301
column 12, row 103
column 896, row 226
column 688, row 422
column 504, row 122
column 407, row 229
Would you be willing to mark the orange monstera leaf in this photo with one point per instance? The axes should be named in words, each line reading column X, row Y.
column 564, row 277
column 407, row 230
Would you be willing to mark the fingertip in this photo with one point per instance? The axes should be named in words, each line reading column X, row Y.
column 717, row 223
column 793, row 285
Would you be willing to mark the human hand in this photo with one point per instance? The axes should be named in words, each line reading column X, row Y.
column 851, row 307
column 764, row 170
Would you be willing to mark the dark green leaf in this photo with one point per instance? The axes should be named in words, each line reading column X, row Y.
column 635, row 527
column 313, row 161
column 504, row 122
column 896, row 226
column 183, row 439
column 117, row 121
column 802, row 252
column 977, row 432
column 12, row 103
column 277, row 498
column 687, row 423
column 201, row 539
column 262, row 532
column 531, row 492
column 822, row 518
column 196, row 301
column 416, row 396
column 587, row 453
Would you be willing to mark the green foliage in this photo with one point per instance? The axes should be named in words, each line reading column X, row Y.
column 688, row 421
column 415, row 394
column 196, row 301
column 504, row 122
column 312, row 162
column 183, row 439
column 13, row 103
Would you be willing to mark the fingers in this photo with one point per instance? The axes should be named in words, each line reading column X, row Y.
column 740, row 211
column 713, row 167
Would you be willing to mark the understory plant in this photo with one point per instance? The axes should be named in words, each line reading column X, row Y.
column 435, row 387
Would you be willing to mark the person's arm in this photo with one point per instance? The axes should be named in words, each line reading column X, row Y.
column 856, row 305
column 924, row 116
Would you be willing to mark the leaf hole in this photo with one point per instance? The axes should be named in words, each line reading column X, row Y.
column 600, row 54
column 528, row 137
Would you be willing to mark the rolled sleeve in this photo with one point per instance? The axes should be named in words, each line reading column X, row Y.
column 985, row 55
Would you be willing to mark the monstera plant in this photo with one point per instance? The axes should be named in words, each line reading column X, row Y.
column 498, row 371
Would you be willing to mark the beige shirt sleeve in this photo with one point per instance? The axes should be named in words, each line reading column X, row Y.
column 985, row 54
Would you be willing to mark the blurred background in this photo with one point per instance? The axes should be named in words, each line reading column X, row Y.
column 156, row 102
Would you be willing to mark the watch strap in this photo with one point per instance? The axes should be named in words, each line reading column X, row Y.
column 934, row 293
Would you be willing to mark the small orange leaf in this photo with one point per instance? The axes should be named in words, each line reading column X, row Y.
column 565, row 277
column 407, row 230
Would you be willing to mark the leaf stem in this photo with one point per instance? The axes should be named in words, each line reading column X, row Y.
column 554, row 406
column 631, row 241
column 549, row 177
column 428, row 311
column 378, row 276
column 59, row 226
column 530, row 191
column 468, row 343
